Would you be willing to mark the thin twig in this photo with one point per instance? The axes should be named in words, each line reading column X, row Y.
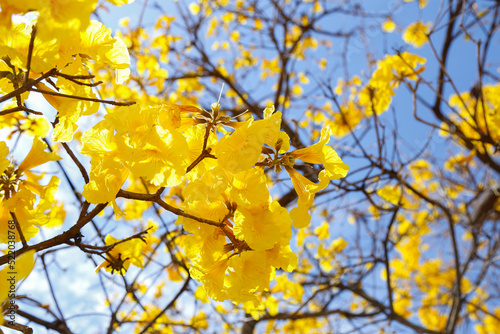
column 18, row 227
column 30, row 55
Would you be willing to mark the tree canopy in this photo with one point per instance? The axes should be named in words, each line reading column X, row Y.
column 261, row 166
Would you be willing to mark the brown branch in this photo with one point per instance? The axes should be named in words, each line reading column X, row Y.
column 18, row 228
column 156, row 199
column 20, row 108
column 27, row 87
column 203, row 155
column 390, row 314
column 57, row 325
column 169, row 305
column 17, row 327
column 63, row 237
column 77, row 163
column 51, row 287
column 323, row 313
column 74, row 78
column 457, row 301
column 386, row 259
column 30, row 55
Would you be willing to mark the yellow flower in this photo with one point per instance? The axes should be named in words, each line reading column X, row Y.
column 120, row 2
column 194, row 138
column 388, row 25
column 4, row 162
column 281, row 256
column 106, row 179
column 259, row 225
column 200, row 207
column 149, row 143
column 19, row 187
column 213, row 277
column 416, row 34
column 122, row 255
column 205, row 249
column 292, row 291
column 194, row 8
column 251, row 273
column 96, row 43
column 69, row 111
column 37, row 156
column 323, row 64
column 35, row 126
column 143, row 141
column 421, row 3
column 107, row 175
column 24, row 264
column 338, row 245
column 305, row 190
column 322, row 231
column 421, row 170
column 431, row 318
column 241, row 150
column 14, row 43
column 21, row 204
column 319, row 153
column 250, row 188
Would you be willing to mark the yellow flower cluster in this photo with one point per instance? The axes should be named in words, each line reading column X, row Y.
column 25, row 204
column 375, row 96
column 416, row 34
column 477, row 117
column 244, row 235
column 238, row 235
column 53, row 42
column 391, row 71
column 22, row 194
column 79, row 41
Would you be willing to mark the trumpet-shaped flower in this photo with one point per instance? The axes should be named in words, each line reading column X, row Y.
column 321, row 153
column 208, row 188
column 318, row 153
column 20, row 188
column 149, row 144
column 14, row 44
column 258, row 226
column 22, row 268
column 4, row 162
column 250, row 188
column 143, row 141
column 107, row 173
column 37, row 156
column 241, row 150
column 416, row 34
column 122, row 255
column 21, row 204
column 106, row 179
column 306, row 190
column 250, row 272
